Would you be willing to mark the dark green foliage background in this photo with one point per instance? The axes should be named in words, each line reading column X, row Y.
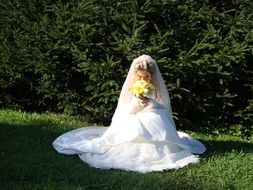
column 72, row 57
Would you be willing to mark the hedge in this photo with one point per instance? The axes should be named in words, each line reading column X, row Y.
column 72, row 57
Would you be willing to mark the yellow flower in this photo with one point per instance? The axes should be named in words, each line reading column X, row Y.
column 139, row 90
column 142, row 88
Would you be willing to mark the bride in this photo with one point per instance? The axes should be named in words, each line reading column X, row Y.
column 142, row 136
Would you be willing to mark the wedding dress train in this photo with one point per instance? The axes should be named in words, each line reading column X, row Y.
column 142, row 142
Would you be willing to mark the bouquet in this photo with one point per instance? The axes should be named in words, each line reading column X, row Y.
column 142, row 89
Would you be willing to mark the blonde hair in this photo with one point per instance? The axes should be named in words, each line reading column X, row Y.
column 144, row 62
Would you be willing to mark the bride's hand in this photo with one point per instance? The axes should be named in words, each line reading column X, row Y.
column 143, row 102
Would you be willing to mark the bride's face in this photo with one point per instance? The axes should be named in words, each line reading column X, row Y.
column 143, row 75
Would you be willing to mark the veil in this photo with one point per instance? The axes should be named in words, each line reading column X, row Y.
column 125, row 98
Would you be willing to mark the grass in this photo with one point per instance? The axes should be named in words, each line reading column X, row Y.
column 28, row 160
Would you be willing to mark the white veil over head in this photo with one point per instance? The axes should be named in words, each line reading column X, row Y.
column 125, row 98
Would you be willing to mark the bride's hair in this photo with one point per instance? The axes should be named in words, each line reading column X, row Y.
column 146, row 63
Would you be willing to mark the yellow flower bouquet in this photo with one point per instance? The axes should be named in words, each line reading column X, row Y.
column 142, row 89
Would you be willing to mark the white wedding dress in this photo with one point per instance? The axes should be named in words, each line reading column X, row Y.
column 141, row 141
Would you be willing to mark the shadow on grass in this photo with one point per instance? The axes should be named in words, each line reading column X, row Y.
column 223, row 147
column 28, row 161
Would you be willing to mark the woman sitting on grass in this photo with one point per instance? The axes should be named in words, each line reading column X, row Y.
column 142, row 136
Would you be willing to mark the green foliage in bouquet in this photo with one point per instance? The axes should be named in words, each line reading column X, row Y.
column 73, row 57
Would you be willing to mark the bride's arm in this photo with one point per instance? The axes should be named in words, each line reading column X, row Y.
column 135, row 106
column 153, row 105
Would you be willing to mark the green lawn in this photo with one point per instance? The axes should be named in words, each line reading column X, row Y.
column 28, row 160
